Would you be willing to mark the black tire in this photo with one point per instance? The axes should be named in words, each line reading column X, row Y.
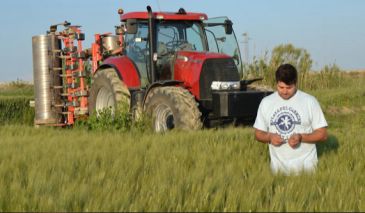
column 172, row 107
column 107, row 91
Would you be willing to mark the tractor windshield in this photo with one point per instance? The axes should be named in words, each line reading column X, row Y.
column 173, row 36
column 221, row 39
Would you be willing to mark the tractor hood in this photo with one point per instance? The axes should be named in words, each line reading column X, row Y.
column 198, row 69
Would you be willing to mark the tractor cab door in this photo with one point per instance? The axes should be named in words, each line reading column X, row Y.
column 221, row 38
column 136, row 48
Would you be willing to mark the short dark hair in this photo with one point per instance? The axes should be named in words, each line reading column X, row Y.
column 286, row 73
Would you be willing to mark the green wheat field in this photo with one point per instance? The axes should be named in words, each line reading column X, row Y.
column 78, row 169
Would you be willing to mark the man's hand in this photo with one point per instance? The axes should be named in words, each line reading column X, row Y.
column 275, row 139
column 267, row 137
column 295, row 140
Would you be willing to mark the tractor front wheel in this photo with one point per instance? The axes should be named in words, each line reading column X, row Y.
column 107, row 92
column 172, row 107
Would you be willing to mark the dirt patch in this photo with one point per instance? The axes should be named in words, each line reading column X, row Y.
column 4, row 85
column 347, row 110
column 343, row 110
column 355, row 73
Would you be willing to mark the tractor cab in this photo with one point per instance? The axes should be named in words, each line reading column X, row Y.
column 175, row 38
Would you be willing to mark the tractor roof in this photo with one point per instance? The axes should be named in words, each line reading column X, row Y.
column 165, row 16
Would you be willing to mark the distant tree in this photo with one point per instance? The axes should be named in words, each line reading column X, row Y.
column 285, row 53
column 298, row 57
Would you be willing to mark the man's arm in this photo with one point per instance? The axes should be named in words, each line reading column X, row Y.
column 318, row 135
column 267, row 137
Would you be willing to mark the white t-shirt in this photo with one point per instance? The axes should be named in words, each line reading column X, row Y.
column 299, row 114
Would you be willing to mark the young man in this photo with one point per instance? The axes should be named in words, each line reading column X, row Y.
column 291, row 122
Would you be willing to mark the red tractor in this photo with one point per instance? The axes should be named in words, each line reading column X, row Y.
column 180, row 68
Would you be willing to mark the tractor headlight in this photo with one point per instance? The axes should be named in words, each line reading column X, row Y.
column 225, row 85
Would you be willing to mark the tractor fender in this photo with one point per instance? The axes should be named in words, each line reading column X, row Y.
column 161, row 84
column 107, row 66
column 125, row 69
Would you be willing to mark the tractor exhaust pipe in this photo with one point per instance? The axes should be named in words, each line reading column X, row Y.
column 152, row 49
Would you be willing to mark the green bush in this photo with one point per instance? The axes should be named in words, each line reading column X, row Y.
column 119, row 120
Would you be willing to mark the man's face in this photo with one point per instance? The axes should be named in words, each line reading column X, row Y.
column 286, row 91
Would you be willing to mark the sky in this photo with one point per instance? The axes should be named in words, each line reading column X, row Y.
column 332, row 31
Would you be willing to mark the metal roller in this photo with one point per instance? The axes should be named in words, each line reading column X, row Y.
column 54, row 47
column 110, row 42
column 42, row 81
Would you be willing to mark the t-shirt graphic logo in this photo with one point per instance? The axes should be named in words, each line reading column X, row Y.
column 285, row 123
column 285, row 118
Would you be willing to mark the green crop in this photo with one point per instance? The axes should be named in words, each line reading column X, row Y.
column 16, row 111
column 110, row 166
column 49, row 169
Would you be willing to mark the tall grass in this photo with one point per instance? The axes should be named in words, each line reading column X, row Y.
column 14, row 103
column 97, row 168
column 16, row 88
column 16, row 111
column 51, row 169
column 210, row 170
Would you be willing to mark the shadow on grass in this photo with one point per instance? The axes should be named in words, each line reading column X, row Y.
column 331, row 145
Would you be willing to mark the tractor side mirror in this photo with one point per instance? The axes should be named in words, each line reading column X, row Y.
column 228, row 26
column 236, row 59
column 132, row 26
column 236, row 56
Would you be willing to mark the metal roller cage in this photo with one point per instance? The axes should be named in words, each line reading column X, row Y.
column 44, row 114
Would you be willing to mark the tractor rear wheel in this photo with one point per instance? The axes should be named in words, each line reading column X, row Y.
column 172, row 107
column 107, row 91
